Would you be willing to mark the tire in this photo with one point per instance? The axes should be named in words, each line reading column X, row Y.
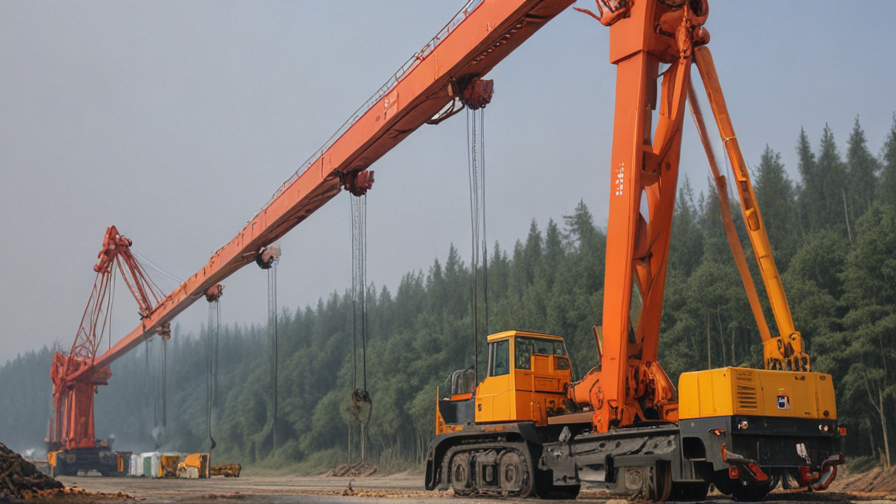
column 689, row 492
column 514, row 475
column 566, row 492
column 461, row 477
column 662, row 482
column 723, row 483
column 751, row 492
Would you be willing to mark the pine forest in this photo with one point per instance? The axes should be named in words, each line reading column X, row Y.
column 833, row 231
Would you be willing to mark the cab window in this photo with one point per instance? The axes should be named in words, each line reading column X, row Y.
column 499, row 358
column 559, row 348
column 525, row 347
column 524, row 353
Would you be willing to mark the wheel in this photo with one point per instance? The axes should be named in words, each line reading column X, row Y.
column 751, row 492
column 723, row 483
column 662, row 482
column 460, row 474
column 689, row 492
column 514, row 476
column 790, row 479
column 826, row 478
column 652, row 483
column 554, row 492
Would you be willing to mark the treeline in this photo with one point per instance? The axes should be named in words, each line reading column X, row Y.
column 833, row 233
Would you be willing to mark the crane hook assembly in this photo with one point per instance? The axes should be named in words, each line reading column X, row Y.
column 477, row 93
column 267, row 256
column 359, row 182
column 214, row 293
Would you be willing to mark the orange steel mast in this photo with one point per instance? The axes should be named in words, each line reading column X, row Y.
column 643, row 173
column 72, row 425
column 630, row 384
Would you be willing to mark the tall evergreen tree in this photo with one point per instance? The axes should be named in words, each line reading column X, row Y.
column 532, row 253
column 887, row 188
column 498, row 272
column 553, row 251
column 777, row 202
column 811, row 192
column 871, row 321
column 862, row 168
column 831, row 172
column 588, row 248
column 580, row 227
column 870, row 276
column 715, row 243
column 457, row 277
column 686, row 240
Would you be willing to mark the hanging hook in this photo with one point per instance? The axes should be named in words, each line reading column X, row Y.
column 267, row 256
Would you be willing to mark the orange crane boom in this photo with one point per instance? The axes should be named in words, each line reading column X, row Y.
column 446, row 69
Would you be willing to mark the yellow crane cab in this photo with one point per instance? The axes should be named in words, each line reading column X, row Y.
column 527, row 377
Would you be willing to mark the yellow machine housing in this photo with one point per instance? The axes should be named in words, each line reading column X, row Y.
column 168, row 465
column 528, row 375
column 756, row 392
column 194, row 466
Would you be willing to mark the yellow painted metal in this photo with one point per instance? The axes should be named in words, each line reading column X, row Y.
column 786, row 350
column 195, row 465
column 168, row 465
column 756, row 392
column 443, row 427
column 495, row 399
column 524, row 394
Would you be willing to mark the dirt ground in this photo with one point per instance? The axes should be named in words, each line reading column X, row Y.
column 404, row 488
column 401, row 488
column 875, row 480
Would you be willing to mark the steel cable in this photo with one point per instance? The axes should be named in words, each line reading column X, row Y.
column 479, row 241
column 272, row 327
column 214, row 324
column 361, row 404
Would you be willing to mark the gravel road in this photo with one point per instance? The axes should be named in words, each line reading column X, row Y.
column 404, row 488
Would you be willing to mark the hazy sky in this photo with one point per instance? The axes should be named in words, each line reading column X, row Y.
column 176, row 121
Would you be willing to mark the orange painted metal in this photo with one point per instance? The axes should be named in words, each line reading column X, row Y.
column 464, row 50
column 75, row 376
column 631, row 385
column 470, row 48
